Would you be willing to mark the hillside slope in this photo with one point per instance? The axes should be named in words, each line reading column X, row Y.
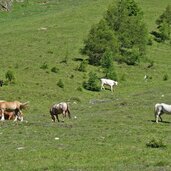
column 108, row 131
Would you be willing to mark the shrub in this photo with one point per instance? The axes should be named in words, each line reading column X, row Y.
column 108, row 66
column 10, row 76
column 44, row 66
column 60, row 83
column 83, row 66
column 92, row 83
column 165, row 77
column 123, row 77
column 55, row 70
column 164, row 25
column 107, row 59
column 72, row 76
column 110, row 73
column 155, row 143
column 65, row 60
column 131, row 56
column 151, row 64
column 79, row 89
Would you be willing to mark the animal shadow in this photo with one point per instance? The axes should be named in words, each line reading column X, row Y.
column 164, row 122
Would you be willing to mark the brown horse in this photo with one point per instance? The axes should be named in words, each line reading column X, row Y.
column 9, row 115
column 15, row 106
column 61, row 108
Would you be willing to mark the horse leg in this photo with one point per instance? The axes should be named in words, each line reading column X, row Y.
column 63, row 115
column 17, row 111
column 161, row 113
column 57, row 118
column 157, row 115
column 2, row 117
column 21, row 115
column 69, row 114
column 102, row 86
column 10, row 116
column 160, row 118
column 111, row 87
column 53, row 118
column 16, row 115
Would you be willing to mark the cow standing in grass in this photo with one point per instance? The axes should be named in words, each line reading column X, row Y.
column 61, row 108
column 108, row 82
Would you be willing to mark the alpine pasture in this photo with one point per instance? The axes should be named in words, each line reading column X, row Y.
column 107, row 131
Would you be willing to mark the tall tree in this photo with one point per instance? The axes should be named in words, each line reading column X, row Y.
column 126, row 19
column 100, row 39
column 108, row 66
column 164, row 24
column 122, row 31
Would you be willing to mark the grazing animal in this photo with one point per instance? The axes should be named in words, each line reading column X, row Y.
column 161, row 108
column 9, row 115
column 108, row 82
column 15, row 106
column 60, row 108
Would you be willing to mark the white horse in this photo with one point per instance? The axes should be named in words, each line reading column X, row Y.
column 161, row 108
column 60, row 108
column 108, row 82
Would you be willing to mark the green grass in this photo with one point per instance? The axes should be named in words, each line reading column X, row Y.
column 111, row 129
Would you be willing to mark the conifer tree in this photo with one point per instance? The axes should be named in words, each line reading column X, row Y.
column 121, row 31
column 108, row 66
column 126, row 19
column 164, row 24
column 100, row 39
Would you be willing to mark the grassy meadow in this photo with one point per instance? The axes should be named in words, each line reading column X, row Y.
column 108, row 131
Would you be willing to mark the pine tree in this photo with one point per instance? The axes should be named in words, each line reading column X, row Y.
column 122, row 31
column 108, row 66
column 100, row 39
column 126, row 19
column 92, row 83
column 164, row 24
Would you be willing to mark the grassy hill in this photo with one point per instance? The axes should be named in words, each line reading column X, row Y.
column 108, row 131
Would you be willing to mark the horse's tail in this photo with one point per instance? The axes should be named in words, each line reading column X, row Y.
column 24, row 105
column 156, row 108
column 69, row 113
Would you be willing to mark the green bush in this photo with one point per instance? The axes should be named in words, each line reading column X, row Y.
column 92, row 83
column 123, row 77
column 44, row 66
column 108, row 66
column 165, row 77
column 164, row 25
column 54, row 69
column 83, row 66
column 10, row 76
column 79, row 89
column 155, row 143
column 60, row 83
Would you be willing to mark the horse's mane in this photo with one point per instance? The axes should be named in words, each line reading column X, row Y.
column 23, row 105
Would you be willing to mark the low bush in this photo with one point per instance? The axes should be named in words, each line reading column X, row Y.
column 155, row 143
column 54, row 69
column 60, row 84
